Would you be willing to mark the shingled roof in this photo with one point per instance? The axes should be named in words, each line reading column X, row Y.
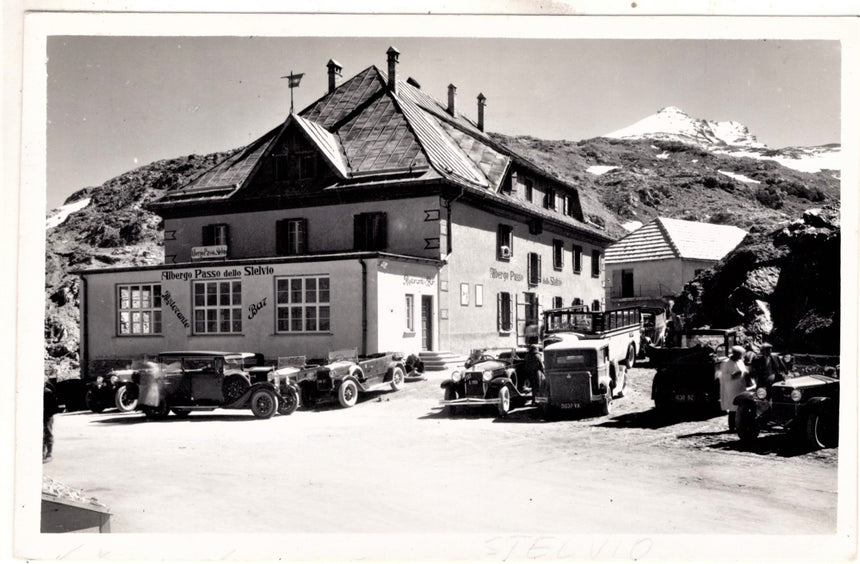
column 371, row 134
column 666, row 238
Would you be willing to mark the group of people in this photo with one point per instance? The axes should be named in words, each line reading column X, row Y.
column 746, row 370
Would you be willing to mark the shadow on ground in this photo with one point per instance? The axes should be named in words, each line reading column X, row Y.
column 654, row 419
column 779, row 444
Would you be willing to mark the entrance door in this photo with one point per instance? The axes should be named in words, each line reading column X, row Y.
column 626, row 283
column 426, row 323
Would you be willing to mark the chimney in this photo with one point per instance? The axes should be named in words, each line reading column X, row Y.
column 481, row 103
column 452, row 99
column 393, row 55
column 334, row 73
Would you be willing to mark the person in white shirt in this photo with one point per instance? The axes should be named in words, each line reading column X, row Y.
column 733, row 381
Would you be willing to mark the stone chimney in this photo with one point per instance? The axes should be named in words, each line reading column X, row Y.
column 481, row 103
column 452, row 99
column 393, row 55
column 334, row 74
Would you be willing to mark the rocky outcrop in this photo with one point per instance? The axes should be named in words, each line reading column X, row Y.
column 782, row 286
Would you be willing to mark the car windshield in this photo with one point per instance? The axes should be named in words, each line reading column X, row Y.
column 573, row 358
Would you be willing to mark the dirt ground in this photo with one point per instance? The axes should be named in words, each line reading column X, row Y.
column 396, row 461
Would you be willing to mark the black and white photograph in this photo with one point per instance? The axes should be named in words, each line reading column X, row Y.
column 486, row 287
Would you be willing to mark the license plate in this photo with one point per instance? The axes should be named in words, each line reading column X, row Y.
column 685, row 397
column 569, row 405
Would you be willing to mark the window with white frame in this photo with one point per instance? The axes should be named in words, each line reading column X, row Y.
column 291, row 236
column 534, row 275
column 504, row 310
column 139, row 309
column 410, row 312
column 217, row 306
column 303, row 304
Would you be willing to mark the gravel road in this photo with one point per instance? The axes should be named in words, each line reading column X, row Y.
column 396, row 462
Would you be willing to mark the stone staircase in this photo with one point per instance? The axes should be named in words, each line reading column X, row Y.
column 441, row 360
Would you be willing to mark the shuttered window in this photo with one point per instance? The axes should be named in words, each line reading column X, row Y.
column 216, row 234
column 504, row 312
column 292, row 237
column 595, row 263
column 577, row 259
column 370, row 231
column 534, row 264
column 504, row 242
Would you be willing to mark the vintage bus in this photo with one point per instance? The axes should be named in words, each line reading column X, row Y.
column 621, row 328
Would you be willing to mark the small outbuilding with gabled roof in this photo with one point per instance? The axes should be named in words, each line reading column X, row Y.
column 656, row 260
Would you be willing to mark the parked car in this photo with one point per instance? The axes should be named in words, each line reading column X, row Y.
column 687, row 374
column 345, row 375
column 116, row 389
column 579, row 374
column 806, row 406
column 489, row 378
column 653, row 327
column 186, row 381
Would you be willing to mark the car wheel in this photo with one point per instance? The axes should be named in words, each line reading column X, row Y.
column 347, row 393
column 450, row 395
column 233, row 387
column 159, row 412
column 289, row 402
column 264, row 404
column 822, row 430
column 630, row 359
column 397, row 377
column 504, row 401
column 181, row 412
column 124, row 401
column 92, row 401
column 745, row 423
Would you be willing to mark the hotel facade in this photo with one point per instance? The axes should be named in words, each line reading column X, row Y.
column 377, row 218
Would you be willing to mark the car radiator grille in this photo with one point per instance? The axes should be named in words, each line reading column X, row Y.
column 575, row 388
column 474, row 384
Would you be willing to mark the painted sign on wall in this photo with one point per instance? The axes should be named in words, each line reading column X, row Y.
column 209, row 252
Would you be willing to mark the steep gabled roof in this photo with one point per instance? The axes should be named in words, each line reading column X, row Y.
column 665, row 238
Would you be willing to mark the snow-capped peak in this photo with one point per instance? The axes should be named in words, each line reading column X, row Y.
column 674, row 124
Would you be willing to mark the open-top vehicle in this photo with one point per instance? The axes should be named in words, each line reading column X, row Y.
column 807, row 406
column 688, row 372
column 489, row 378
column 186, row 381
column 346, row 374
column 579, row 374
column 116, row 389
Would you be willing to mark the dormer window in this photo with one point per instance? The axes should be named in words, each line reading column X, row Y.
column 549, row 199
column 299, row 165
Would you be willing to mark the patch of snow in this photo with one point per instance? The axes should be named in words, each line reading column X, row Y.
column 632, row 225
column 663, row 155
column 694, row 161
column 672, row 123
column 63, row 212
column 737, row 176
column 807, row 160
column 600, row 169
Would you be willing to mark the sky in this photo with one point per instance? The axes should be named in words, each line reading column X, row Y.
column 117, row 103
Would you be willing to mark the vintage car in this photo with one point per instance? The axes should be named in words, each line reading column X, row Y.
column 186, row 381
column 345, row 374
column 489, row 378
column 653, row 328
column 579, row 374
column 806, row 406
column 687, row 374
column 116, row 389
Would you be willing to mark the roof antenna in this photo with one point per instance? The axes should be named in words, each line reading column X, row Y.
column 294, row 81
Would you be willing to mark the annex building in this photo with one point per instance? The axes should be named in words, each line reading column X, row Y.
column 376, row 218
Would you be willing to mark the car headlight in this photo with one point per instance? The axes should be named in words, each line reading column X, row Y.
column 796, row 395
column 761, row 393
column 100, row 380
column 456, row 376
column 114, row 379
column 487, row 376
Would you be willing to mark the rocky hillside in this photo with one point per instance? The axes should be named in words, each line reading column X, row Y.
column 782, row 285
column 620, row 180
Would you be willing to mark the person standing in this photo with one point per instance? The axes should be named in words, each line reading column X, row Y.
column 49, row 408
column 767, row 367
column 534, row 369
column 733, row 381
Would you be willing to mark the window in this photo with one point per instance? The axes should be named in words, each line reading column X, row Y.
column 549, row 199
column 503, row 318
column 557, row 301
column 291, row 237
column 595, row 305
column 528, row 189
column 217, row 234
column 595, row 263
column 298, row 165
column 504, row 242
column 627, row 288
column 306, row 165
column 557, row 254
column 536, row 226
column 464, row 293
column 370, row 231
column 218, row 306
column 534, row 269
column 410, row 312
column 577, row 259
column 479, row 295
column 303, row 304
column 139, row 311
